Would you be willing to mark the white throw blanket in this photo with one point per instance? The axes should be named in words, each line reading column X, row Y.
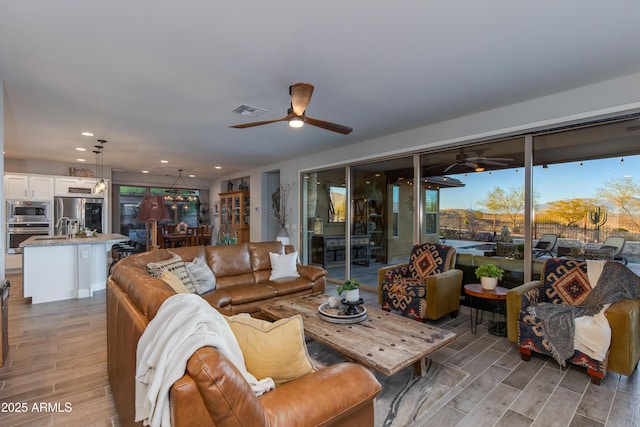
column 592, row 333
column 183, row 324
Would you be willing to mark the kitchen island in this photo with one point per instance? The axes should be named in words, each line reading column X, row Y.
column 58, row 267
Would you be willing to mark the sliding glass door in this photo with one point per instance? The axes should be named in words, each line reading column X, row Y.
column 494, row 199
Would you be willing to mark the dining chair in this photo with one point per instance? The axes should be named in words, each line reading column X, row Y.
column 162, row 244
column 192, row 236
column 207, row 231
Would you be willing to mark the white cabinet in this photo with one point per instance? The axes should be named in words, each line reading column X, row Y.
column 71, row 186
column 25, row 187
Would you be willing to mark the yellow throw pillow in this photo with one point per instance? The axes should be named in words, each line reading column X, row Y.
column 175, row 283
column 276, row 350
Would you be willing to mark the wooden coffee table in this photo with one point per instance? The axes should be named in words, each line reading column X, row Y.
column 384, row 341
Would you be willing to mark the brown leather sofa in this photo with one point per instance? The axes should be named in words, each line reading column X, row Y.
column 212, row 392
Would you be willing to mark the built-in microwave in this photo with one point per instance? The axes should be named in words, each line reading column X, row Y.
column 23, row 211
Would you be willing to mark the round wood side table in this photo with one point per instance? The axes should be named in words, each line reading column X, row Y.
column 497, row 322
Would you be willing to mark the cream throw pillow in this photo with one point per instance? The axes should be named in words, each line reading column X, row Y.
column 276, row 350
column 175, row 283
column 283, row 265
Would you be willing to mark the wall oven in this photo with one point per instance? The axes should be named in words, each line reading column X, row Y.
column 24, row 211
column 19, row 232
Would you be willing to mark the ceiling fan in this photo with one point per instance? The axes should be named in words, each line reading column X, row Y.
column 478, row 162
column 300, row 97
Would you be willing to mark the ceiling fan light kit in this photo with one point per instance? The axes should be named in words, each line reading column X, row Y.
column 300, row 97
column 296, row 122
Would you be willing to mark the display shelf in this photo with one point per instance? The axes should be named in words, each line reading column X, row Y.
column 369, row 220
column 234, row 210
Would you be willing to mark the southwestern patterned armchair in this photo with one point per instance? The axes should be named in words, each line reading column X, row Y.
column 566, row 281
column 428, row 287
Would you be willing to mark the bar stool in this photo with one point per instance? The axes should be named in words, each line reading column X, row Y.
column 120, row 251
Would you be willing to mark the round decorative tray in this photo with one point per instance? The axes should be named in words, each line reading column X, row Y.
column 338, row 315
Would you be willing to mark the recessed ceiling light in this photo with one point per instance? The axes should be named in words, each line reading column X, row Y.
column 87, row 134
column 192, row 176
column 217, row 167
column 164, row 161
column 145, row 171
column 80, row 149
column 81, row 160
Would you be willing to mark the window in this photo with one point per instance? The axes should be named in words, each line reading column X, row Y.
column 185, row 211
column 337, row 204
column 431, row 211
column 130, row 198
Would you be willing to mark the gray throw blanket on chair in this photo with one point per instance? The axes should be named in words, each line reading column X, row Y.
column 616, row 283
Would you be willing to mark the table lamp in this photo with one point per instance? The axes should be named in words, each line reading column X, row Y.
column 153, row 209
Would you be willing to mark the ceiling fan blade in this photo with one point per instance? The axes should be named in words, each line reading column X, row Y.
column 498, row 159
column 266, row 122
column 448, row 168
column 300, row 97
column 328, row 126
column 492, row 163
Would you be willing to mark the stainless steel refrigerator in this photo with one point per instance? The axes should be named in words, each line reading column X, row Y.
column 88, row 212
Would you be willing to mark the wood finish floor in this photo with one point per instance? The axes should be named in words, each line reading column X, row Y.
column 57, row 361
column 58, row 354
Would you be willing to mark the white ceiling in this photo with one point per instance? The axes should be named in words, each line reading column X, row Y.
column 158, row 79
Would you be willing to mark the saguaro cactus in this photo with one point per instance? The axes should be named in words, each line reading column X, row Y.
column 597, row 217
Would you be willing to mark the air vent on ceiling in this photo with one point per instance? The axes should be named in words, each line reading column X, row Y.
column 248, row 110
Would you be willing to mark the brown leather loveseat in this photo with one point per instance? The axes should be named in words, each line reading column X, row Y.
column 212, row 391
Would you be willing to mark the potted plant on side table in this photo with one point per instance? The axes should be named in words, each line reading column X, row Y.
column 351, row 290
column 489, row 274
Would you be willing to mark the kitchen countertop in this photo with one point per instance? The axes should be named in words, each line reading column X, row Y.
column 63, row 240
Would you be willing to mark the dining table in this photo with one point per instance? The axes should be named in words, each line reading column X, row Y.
column 174, row 240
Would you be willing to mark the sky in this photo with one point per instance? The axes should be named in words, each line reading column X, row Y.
column 558, row 182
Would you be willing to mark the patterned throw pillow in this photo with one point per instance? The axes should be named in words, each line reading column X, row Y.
column 428, row 259
column 565, row 281
column 173, row 265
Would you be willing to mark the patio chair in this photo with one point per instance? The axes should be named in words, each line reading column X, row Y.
column 616, row 245
column 566, row 281
column 428, row 287
column 545, row 245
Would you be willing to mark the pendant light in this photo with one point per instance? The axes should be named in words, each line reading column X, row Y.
column 177, row 195
column 100, row 185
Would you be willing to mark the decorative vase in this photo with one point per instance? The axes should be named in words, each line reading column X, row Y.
column 489, row 283
column 318, row 226
column 352, row 295
column 227, row 235
column 283, row 236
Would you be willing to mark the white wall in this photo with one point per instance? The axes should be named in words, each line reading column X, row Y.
column 597, row 100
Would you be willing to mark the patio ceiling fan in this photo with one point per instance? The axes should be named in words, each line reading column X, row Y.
column 300, row 97
column 478, row 162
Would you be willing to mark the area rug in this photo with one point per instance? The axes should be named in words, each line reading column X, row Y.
column 405, row 399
